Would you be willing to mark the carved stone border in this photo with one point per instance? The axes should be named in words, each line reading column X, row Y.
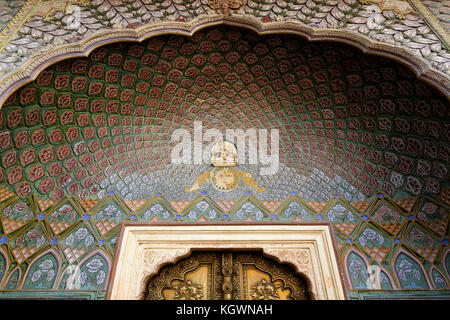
column 143, row 249
column 30, row 70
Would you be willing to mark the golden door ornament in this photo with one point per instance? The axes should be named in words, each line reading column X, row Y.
column 227, row 275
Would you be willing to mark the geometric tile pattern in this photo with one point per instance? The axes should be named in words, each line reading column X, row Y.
column 372, row 240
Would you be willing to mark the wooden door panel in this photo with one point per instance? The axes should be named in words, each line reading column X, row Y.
column 227, row 275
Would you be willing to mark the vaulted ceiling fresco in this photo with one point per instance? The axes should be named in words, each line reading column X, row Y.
column 364, row 144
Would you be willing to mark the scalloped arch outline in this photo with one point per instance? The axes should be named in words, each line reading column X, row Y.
column 394, row 260
column 73, row 276
column 31, row 69
column 55, row 254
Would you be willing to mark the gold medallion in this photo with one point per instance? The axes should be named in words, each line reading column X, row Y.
column 225, row 178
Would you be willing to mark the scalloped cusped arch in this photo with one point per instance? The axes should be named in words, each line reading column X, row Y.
column 349, row 122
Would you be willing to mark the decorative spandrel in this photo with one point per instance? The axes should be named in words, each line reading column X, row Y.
column 227, row 276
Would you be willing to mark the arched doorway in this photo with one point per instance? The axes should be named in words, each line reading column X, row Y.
column 227, row 275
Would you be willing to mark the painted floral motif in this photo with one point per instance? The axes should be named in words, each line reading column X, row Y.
column 374, row 243
column 247, row 210
column 409, row 273
column 343, row 218
column 202, row 209
column 31, row 241
column 435, row 217
column 295, row 209
column 438, row 279
column 92, row 274
column 357, row 269
column 109, row 217
column 16, row 215
column 13, row 280
column 422, row 242
column 62, row 218
column 42, row 273
column 389, row 219
column 77, row 244
column 155, row 210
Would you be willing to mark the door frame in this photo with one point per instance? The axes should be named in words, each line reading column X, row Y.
column 144, row 248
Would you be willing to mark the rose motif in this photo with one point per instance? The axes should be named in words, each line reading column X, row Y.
column 63, row 152
column 79, row 84
column 72, row 133
column 83, row 120
column 47, row 98
column 387, row 187
column 79, row 66
column 46, row 154
column 102, row 132
column 384, row 124
column 44, row 78
column 413, row 185
column 388, row 89
column 14, row 118
column 88, row 133
column 140, row 100
column 95, row 88
column 113, row 76
column 440, row 170
column 430, row 148
column 15, row 175
column 62, row 82
column 23, row 189
column 141, row 87
column 115, row 59
column 56, row 194
column 54, row 169
column 181, row 62
column 36, row 172
column 174, row 75
column 9, row 159
column 405, row 164
column 62, row 66
column 127, row 81
column 130, row 65
column 71, row 164
column 375, row 155
column 434, row 129
column 64, row 101
column 382, row 172
column 149, row 59
column 66, row 117
column 49, row 117
column 46, row 185
column 96, row 71
column 405, row 106
column 27, row 95
column 20, row 139
column 99, row 54
column 85, row 159
column 422, row 108
column 74, row 188
column 432, row 185
column 405, row 88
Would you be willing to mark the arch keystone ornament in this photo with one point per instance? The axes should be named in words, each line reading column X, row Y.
column 224, row 177
column 143, row 250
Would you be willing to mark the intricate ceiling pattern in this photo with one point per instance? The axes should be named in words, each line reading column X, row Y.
column 350, row 123
column 41, row 25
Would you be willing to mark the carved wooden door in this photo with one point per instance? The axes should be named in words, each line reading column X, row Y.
column 227, row 275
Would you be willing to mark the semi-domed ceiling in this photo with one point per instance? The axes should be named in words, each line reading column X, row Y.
column 349, row 123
